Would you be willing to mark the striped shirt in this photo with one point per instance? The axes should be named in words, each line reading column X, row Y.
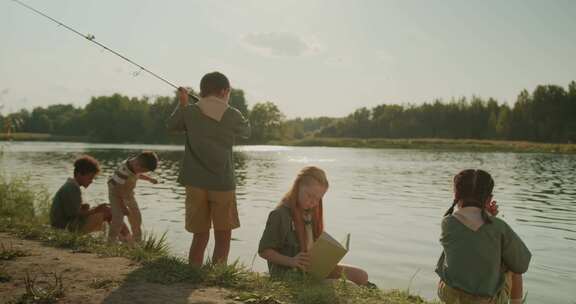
column 124, row 178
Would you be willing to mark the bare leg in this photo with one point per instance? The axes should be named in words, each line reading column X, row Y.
column 94, row 222
column 517, row 289
column 222, row 246
column 135, row 220
column 125, row 235
column 354, row 274
column 199, row 243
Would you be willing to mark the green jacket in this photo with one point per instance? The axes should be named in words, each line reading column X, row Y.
column 66, row 204
column 475, row 261
column 279, row 235
column 208, row 161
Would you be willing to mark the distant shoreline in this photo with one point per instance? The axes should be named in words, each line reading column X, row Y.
column 464, row 145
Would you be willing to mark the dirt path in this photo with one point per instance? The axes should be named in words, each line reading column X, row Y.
column 88, row 278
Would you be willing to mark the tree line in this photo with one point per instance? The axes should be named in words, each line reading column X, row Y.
column 548, row 114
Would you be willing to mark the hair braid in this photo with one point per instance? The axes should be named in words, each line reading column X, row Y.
column 472, row 187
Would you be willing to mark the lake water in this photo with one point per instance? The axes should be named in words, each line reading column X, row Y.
column 391, row 201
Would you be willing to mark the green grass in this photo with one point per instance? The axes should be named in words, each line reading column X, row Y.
column 435, row 144
column 170, row 270
column 24, row 213
column 297, row 288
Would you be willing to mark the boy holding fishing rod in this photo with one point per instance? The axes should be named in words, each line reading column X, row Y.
column 211, row 126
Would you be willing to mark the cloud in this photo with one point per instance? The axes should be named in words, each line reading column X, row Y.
column 281, row 44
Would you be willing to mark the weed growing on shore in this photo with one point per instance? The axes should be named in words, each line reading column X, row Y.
column 150, row 248
column 8, row 252
column 36, row 293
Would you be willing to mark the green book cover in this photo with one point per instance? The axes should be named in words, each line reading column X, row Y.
column 325, row 254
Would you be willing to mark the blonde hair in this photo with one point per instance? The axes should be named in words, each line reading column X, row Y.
column 305, row 177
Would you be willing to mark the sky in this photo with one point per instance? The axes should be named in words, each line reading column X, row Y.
column 311, row 58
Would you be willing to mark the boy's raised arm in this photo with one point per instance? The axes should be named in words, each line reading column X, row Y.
column 176, row 120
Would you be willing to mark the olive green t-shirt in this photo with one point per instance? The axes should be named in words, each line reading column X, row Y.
column 279, row 235
column 66, row 205
column 208, row 157
column 475, row 261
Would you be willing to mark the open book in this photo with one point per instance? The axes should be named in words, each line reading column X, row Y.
column 325, row 254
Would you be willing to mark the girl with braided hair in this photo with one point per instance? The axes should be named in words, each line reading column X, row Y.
column 295, row 224
column 483, row 259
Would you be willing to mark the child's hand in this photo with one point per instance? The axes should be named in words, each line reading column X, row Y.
column 183, row 96
column 301, row 261
column 492, row 208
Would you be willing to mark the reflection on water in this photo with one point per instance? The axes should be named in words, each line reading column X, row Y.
column 391, row 201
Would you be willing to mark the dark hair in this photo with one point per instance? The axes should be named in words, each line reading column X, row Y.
column 213, row 83
column 148, row 160
column 472, row 187
column 86, row 164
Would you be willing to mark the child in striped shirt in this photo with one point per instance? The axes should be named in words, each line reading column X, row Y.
column 121, row 193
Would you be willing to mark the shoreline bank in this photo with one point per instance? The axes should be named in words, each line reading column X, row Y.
column 434, row 144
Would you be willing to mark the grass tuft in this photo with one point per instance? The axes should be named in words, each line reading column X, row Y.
column 8, row 252
column 46, row 293
column 150, row 248
column 170, row 269
column 225, row 275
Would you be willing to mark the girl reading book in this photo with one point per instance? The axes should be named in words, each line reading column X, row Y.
column 483, row 258
column 295, row 224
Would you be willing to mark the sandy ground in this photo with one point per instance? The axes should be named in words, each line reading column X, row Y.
column 88, row 278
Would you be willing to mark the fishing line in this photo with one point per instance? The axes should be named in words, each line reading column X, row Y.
column 92, row 39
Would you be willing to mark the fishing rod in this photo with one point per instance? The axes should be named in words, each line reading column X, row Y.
column 92, row 38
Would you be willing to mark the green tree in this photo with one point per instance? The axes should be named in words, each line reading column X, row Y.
column 503, row 123
column 238, row 101
column 266, row 121
column 39, row 122
column 571, row 113
column 158, row 113
column 118, row 118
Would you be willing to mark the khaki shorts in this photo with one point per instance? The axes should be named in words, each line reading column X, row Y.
column 205, row 208
column 448, row 294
